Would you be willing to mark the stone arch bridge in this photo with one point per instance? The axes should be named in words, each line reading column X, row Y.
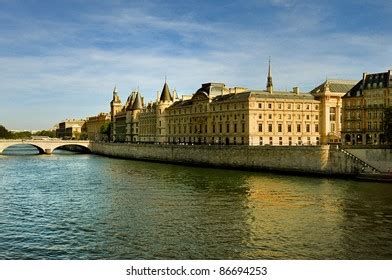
column 46, row 146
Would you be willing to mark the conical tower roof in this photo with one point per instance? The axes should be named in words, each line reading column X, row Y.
column 165, row 95
column 137, row 104
column 131, row 100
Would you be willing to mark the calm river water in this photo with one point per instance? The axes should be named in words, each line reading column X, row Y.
column 77, row 206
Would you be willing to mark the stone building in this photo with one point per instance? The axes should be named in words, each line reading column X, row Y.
column 330, row 95
column 215, row 114
column 94, row 124
column 71, row 129
column 363, row 109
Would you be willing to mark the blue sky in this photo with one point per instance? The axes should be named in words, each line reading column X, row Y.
column 61, row 59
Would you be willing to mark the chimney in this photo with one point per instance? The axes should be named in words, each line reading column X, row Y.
column 296, row 90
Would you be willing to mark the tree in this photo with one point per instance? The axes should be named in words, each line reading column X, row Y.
column 4, row 133
column 49, row 133
column 106, row 129
column 388, row 124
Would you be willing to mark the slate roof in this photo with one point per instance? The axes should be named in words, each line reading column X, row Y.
column 165, row 95
column 372, row 81
column 334, row 86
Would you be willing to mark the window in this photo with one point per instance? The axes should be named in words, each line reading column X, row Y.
column 220, row 128
column 213, row 128
column 260, row 127
column 243, row 128
column 316, row 128
column 260, row 116
column 270, row 140
column 280, row 141
column 289, row 128
column 279, row 127
column 260, row 106
column 270, row 116
column 228, row 128
column 270, row 127
column 269, row 106
column 298, row 127
column 235, row 128
column 308, row 128
column 279, row 106
column 298, row 106
column 261, row 141
column 289, row 106
column 332, row 114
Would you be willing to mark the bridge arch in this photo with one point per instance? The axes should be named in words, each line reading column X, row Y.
column 8, row 145
column 74, row 147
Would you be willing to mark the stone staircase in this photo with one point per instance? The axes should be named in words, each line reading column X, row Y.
column 366, row 167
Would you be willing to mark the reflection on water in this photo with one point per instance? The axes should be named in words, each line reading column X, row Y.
column 91, row 207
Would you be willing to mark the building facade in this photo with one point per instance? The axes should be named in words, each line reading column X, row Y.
column 363, row 109
column 216, row 114
column 71, row 129
column 330, row 95
column 94, row 125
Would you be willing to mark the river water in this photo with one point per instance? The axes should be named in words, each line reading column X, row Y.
column 79, row 206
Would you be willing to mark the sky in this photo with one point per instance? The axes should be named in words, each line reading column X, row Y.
column 62, row 59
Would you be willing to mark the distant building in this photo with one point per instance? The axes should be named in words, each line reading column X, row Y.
column 363, row 109
column 70, row 129
column 94, row 124
column 330, row 95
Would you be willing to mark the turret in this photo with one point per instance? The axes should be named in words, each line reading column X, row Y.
column 115, row 104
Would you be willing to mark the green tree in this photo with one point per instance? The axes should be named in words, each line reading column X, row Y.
column 106, row 130
column 388, row 124
column 21, row 135
column 49, row 133
column 4, row 133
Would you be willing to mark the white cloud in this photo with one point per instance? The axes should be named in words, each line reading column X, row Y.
column 73, row 77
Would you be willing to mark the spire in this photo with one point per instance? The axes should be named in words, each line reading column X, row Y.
column 137, row 104
column 175, row 96
column 165, row 95
column 269, row 78
column 116, row 98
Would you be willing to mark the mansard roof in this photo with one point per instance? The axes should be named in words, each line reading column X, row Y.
column 371, row 81
column 213, row 89
column 281, row 95
column 337, row 86
column 165, row 95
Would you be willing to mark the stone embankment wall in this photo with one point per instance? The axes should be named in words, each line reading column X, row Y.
column 378, row 158
column 304, row 159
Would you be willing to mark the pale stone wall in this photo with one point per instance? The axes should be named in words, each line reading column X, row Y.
column 378, row 158
column 305, row 159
